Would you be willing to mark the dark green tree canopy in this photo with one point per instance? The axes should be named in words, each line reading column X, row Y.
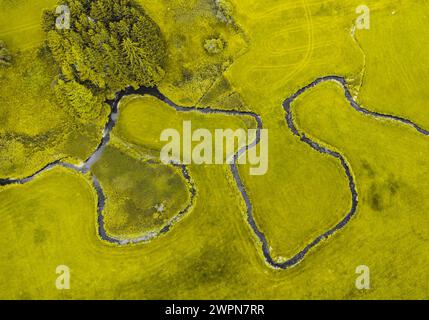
column 111, row 44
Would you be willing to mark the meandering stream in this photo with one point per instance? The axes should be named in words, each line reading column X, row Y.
column 287, row 105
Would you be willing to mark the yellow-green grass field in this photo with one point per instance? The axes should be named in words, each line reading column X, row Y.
column 20, row 25
column 276, row 48
column 143, row 119
column 397, row 66
column 303, row 193
column 390, row 164
column 287, row 53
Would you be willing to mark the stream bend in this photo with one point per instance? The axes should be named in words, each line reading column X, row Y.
column 287, row 105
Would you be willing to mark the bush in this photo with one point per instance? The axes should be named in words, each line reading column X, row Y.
column 214, row 46
column 5, row 57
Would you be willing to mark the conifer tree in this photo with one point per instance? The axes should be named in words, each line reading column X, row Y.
column 111, row 44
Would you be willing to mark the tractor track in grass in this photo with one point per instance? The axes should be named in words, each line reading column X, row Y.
column 287, row 105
